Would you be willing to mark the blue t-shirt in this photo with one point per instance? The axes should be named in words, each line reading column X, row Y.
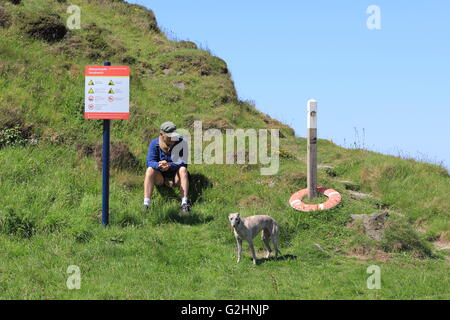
column 174, row 157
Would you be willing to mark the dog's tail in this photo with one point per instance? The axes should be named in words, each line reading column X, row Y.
column 275, row 233
column 275, row 228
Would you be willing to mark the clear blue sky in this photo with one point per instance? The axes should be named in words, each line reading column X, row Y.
column 393, row 83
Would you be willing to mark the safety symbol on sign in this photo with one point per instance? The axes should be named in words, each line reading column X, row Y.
column 111, row 99
column 111, row 83
column 91, row 91
column 91, row 107
column 111, row 91
column 91, row 98
column 91, row 83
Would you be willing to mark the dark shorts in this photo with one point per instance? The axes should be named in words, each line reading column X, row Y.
column 169, row 177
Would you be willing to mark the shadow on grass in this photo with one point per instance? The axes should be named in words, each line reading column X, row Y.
column 176, row 216
column 197, row 184
column 167, row 192
column 280, row 258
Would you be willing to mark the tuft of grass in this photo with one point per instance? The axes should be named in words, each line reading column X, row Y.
column 14, row 224
column 81, row 234
column 127, row 219
column 400, row 236
column 11, row 137
column 44, row 26
column 194, row 61
column 5, row 19
column 53, row 223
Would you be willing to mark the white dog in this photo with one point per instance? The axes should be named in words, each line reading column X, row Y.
column 248, row 228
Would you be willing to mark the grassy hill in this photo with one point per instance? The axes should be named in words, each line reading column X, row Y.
column 50, row 182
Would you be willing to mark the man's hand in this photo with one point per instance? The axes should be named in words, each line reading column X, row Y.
column 163, row 165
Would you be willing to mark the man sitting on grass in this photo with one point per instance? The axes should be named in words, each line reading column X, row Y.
column 165, row 168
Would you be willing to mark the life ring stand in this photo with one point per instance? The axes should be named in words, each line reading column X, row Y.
column 334, row 198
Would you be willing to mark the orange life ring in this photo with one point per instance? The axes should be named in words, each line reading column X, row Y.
column 334, row 198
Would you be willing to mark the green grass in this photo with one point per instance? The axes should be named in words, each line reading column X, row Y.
column 162, row 255
column 50, row 191
column 318, row 199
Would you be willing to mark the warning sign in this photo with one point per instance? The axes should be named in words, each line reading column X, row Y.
column 99, row 104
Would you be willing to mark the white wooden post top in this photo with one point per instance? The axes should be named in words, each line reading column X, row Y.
column 312, row 114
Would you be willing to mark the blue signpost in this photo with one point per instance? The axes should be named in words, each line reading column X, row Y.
column 107, row 95
column 105, row 168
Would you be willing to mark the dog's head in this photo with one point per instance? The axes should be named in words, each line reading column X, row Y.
column 235, row 219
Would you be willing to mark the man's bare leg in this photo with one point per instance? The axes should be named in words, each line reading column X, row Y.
column 182, row 180
column 152, row 177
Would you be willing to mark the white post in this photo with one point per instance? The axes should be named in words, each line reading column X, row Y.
column 312, row 149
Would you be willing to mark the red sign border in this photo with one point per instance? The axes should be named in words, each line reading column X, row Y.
column 106, row 115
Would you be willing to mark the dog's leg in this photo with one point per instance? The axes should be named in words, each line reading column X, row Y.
column 252, row 248
column 265, row 239
column 239, row 248
column 274, row 237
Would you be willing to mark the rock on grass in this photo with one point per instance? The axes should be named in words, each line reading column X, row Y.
column 374, row 224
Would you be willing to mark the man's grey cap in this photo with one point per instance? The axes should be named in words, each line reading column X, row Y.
column 169, row 129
